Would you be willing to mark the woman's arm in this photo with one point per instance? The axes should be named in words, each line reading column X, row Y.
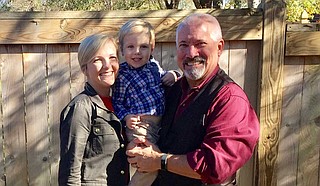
column 74, row 132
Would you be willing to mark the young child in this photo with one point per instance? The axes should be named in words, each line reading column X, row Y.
column 138, row 95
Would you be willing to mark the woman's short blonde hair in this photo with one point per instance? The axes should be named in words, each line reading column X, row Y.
column 129, row 27
column 90, row 46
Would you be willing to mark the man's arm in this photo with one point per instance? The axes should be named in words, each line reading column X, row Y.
column 178, row 164
column 148, row 159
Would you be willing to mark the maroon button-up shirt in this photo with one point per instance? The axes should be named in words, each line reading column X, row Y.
column 231, row 135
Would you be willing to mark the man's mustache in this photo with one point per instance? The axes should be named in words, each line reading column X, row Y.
column 196, row 59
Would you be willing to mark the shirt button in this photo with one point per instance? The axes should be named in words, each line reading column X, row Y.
column 97, row 130
column 122, row 145
column 122, row 172
column 99, row 111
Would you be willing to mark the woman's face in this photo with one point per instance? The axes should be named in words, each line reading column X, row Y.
column 101, row 72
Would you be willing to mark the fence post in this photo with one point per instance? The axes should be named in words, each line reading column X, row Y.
column 271, row 90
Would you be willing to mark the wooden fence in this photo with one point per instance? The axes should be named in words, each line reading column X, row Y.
column 298, row 161
column 40, row 74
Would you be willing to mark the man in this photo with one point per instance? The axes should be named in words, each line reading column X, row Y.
column 209, row 129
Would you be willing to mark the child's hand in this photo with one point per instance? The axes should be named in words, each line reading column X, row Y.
column 169, row 78
column 132, row 121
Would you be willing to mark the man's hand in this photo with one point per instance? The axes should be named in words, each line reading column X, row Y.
column 144, row 155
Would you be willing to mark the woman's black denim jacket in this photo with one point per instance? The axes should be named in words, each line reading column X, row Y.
column 92, row 144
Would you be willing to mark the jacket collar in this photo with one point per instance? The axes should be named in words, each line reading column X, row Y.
column 89, row 90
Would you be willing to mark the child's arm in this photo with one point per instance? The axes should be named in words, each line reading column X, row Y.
column 170, row 77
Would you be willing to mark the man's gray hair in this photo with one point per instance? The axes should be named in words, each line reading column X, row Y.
column 199, row 17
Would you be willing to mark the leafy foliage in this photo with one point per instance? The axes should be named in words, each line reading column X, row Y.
column 83, row 5
column 76, row 5
column 296, row 7
column 21, row 5
column 138, row 5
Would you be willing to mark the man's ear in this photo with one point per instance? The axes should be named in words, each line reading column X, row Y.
column 220, row 47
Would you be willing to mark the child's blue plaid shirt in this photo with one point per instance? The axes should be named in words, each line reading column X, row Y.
column 139, row 90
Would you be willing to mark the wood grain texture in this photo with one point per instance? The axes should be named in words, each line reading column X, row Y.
column 251, row 86
column 237, row 63
column 32, row 28
column 303, row 43
column 237, row 66
column 252, row 73
column 2, row 156
column 271, row 90
column 287, row 164
column 58, row 68
column 309, row 134
column 77, row 79
column 225, row 57
column 37, row 128
column 127, row 14
column 168, row 55
column 309, row 27
column 14, row 129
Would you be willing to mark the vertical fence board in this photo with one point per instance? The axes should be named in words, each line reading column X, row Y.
column 13, row 115
column 237, row 64
column 58, row 60
column 287, row 162
column 252, row 72
column 237, row 69
column 308, row 167
column 157, row 53
column 225, row 57
column 2, row 155
column 169, row 59
column 34, row 57
column 250, row 65
column 77, row 77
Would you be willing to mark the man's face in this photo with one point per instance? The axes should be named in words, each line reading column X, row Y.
column 198, row 51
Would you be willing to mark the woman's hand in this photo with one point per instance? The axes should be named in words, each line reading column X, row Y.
column 143, row 155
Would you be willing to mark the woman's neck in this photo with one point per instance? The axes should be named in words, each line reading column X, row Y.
column 104, row 92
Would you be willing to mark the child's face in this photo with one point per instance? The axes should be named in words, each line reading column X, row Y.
column 137, row 48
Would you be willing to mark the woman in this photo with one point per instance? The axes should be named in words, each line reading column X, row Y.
column 92, row 144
